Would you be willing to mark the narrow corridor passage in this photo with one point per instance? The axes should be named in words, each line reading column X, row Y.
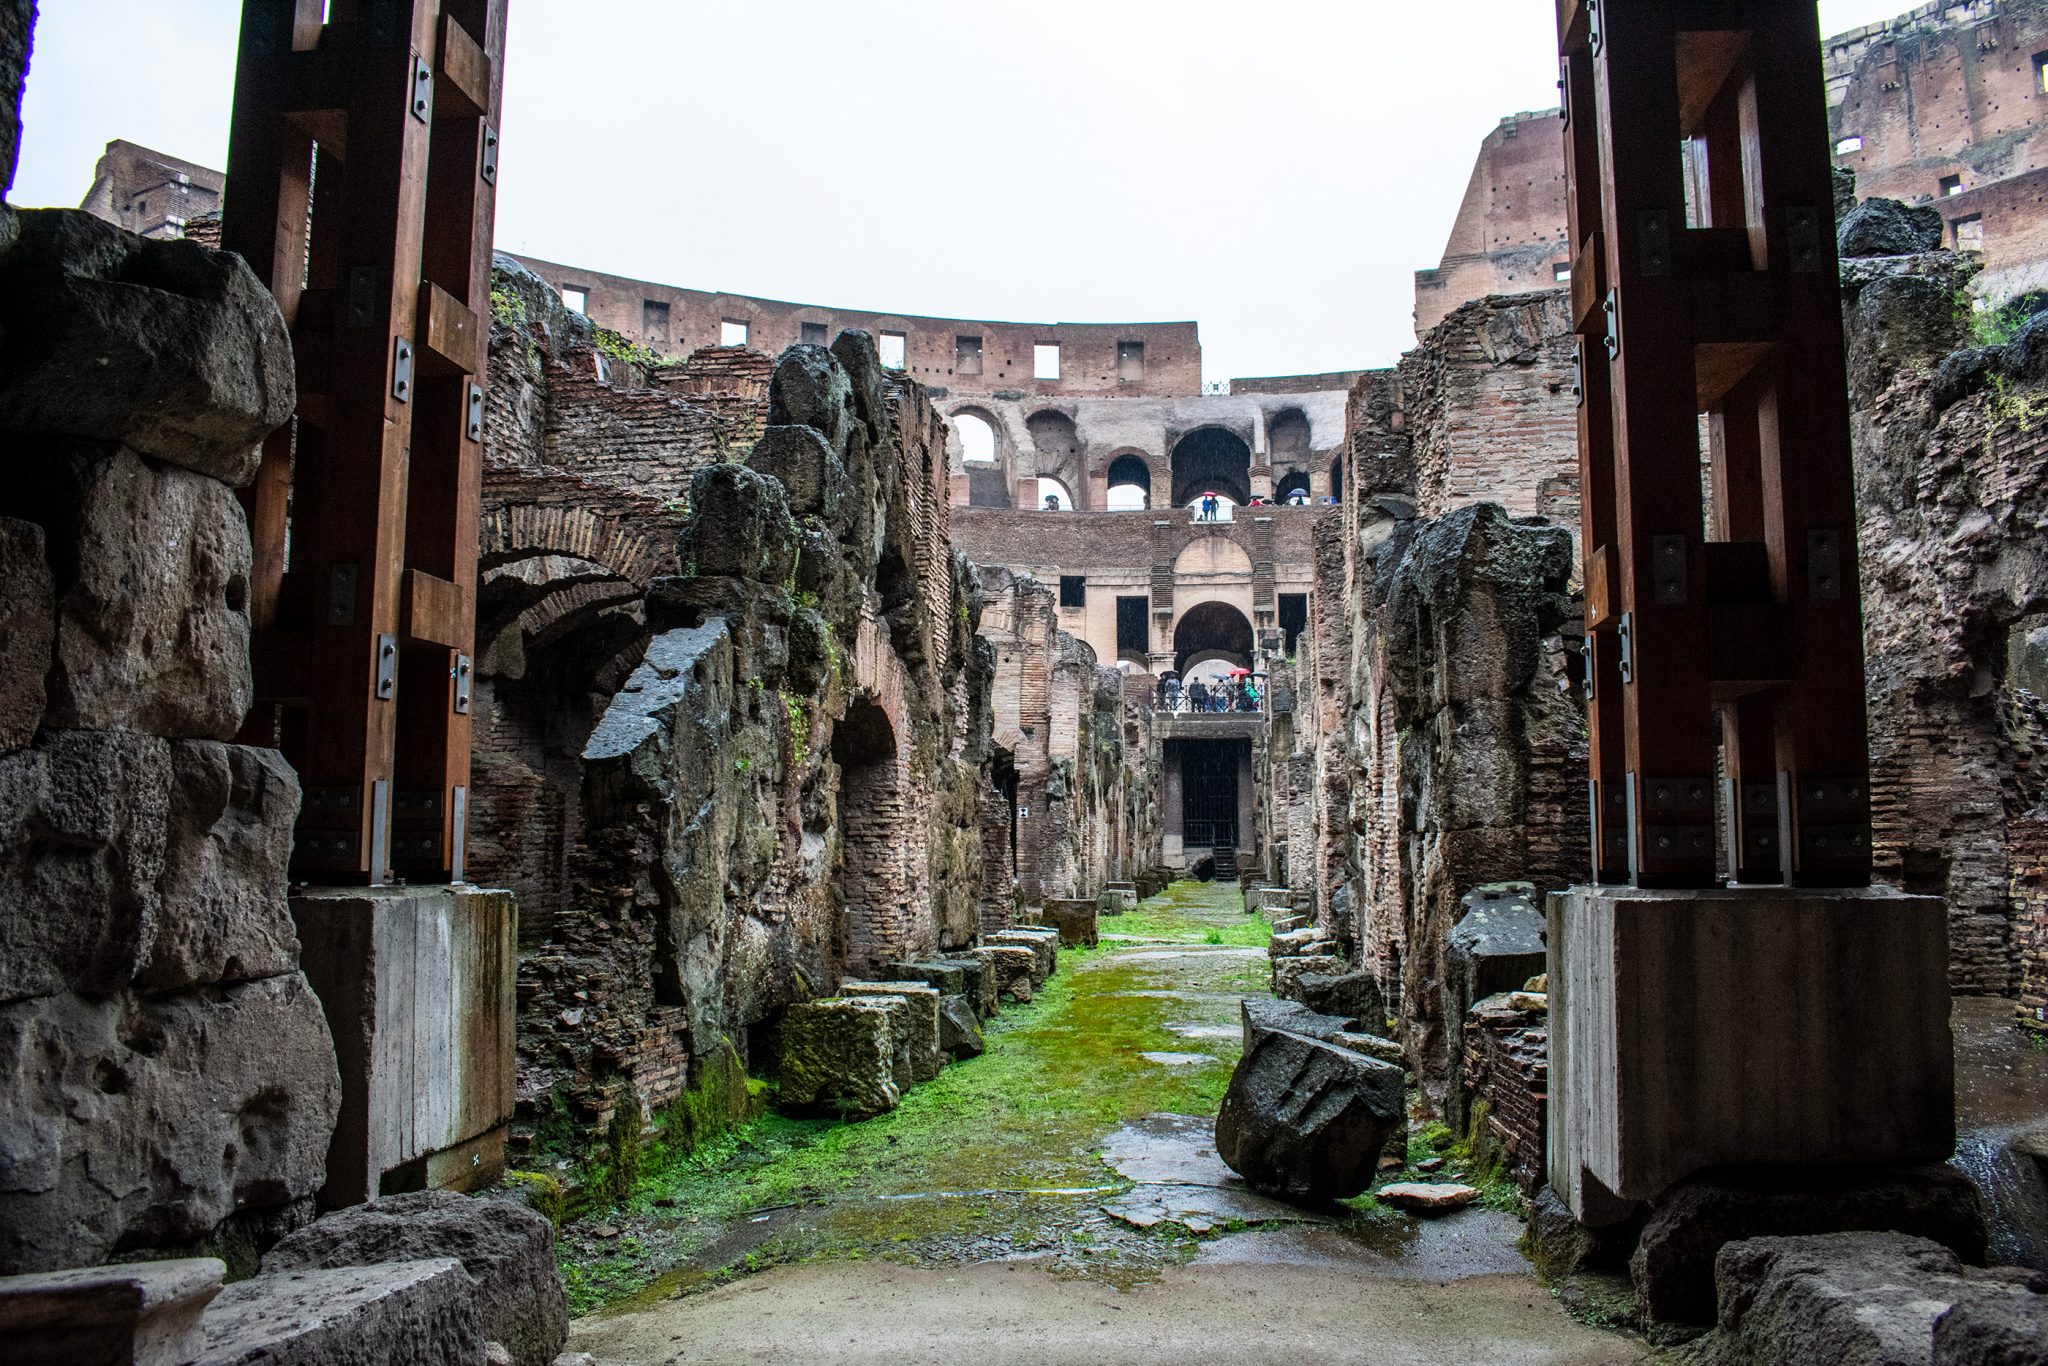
column 1062, row 1188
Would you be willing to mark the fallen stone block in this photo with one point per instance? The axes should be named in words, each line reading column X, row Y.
column 1426, row 1197
column 109, row 1144
column 507, row 1249
column 1373, row 1046
column 422, row 1311
column 1288, row 973
column 1886, row 227
column 919, row 1021
column 1290, row 921
column 1074, row 922
column 1673, row 1264
column 1355, row 995
column 1306, row 1119
column 959, row 1029
column 1295, row 943
column 1012, row 968
column 174, row 350
column 838, row 1056
column 978, row 984
column 145, row 1313
column 1044, row 945
column 1263, row 1015
column 1870, row 1299
column 28, row 631
column 946, row 978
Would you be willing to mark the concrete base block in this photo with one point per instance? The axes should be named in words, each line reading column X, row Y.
column 418, row 987
column 1749, row 1026
column 146, row 1313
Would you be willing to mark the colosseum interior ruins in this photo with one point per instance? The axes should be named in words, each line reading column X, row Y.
column 555, row 818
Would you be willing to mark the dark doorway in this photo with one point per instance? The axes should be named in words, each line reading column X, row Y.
column 1211, row 460
column 872, row 875
column 1208, row 793
column 1133, row 633
column 1293, row 616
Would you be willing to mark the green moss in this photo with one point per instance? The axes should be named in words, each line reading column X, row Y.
column 799, row 727
column 626, row 352
column 508, row 307
column 544, row 1193
column 620, row 1170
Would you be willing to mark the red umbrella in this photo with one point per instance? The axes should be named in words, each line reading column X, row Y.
column 1239, row 673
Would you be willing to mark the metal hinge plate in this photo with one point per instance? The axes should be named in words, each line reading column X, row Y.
column 401, row 369
column 387, row 667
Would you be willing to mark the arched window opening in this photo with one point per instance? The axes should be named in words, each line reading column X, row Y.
column 1292, row 489
column 1212, row 638
column 1211, row 460
column 1130, row 484
column 977, row 439
column 871, row 835
column 1053, row 496
column 1056, row 446
column 1287, row 435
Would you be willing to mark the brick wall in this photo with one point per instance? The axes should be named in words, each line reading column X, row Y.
column 1507, row 1069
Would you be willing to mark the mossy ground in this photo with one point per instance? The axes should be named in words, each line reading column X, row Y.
column 999, row 1156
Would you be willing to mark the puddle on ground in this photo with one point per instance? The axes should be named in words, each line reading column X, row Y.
column 1179, row 1059
column 1471, row 1242
column 1192, row 951
column 1208, row 1031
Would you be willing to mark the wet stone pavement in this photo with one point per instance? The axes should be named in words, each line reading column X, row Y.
column 1080, row 1145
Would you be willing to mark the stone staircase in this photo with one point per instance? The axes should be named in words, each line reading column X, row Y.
column 1226, row 864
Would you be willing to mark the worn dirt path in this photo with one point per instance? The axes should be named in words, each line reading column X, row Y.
column 1059, row 1200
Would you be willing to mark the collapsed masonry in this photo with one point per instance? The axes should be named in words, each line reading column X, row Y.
column 748, row 726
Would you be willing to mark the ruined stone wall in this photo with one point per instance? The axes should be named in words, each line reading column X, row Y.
column 1490, row 410
column 167, row 1079
column 1509, row 235
column 1951, row 465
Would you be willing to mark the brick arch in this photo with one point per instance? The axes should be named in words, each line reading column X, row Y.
column 636, row 549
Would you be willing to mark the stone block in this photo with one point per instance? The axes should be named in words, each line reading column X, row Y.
column 150, row 566
column 1870, row 1299
column 1673, row 1263
column 1886, row 227
column 1372, row 1045
column 1295, row 943
column 804, row 463
column 811, row 388
column 1074, row 921
column 1263, row 1015
column 739, row 526
column 109, row 1144
column 919, row 1021
column 1043, row 943
column 1355, row 995
column 507, row 1249
column 165, row 346
column 960, row 1028
column 142, row 1313
column 1289, row 973
column 28, row 632
column 977, row 983
column 946, row 978
column 17, row 20
column 1012, row 967
column 1697, row 1029
column 838, row 1056
column 1307, row 1120
column 418, row 984
column 421, row 1312
column 1561, row 1246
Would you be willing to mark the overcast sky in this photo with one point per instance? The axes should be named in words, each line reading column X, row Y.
column 1276, row 172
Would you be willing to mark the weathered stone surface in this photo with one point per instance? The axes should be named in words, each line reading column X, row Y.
column 151, row 570
column 959, row 1028
column 807, row 467
column 978, row 984
column 1043, row 943
column 28, row 617
column 17, row 22
column 1289, row 973
column 1306, row 1119
column 507, row 1249
column 110, row 1143
column 1673, row 1265
column 1075, row 921
column 839, row 1056
column 1260, row 1015
column 1292, row 943
column 739, row 526
column 1372, row 1045
column 1561, row 1246
column 810, row 388
column 224, row 917
column 919, row 1021
column 1353, row 995
column 422, row 1311
column 946, row 978
column 174, row 350
column 1869, row 1299
column 1886, row 227
column 145, row 1313
column 1426, row 1197
column 1899, row 322
column 1496, row 946
column 1012, row 968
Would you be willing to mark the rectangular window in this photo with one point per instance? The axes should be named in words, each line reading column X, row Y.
column 1561, row 272
column 895, row 347
column 732, row 332
column 1951, row 184
column 1293, row 616
column 1132, row 634
column 576, row 299
column 1073, row 590
column 654, row 320
column 1130, row 361
column 1849, row 144
column 2041, row 71
column 1970, row 233
column 967, row 355
column 813, row 334
column 1045, row 360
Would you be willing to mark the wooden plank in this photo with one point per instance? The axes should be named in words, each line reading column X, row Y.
column 449, row 339
column 1589, row 288
column 434, row 611
column 463, row 76
column 1706, row 59
column 1600, row 613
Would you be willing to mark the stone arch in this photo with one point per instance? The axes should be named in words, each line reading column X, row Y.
column 1212, row 630
column 874, row 876
column 636, row 546
column 1049, row 486
column 1129, row 470
column 1056, row 446
column 1287, row 436
column 1211, row 459
column 1289, row 485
